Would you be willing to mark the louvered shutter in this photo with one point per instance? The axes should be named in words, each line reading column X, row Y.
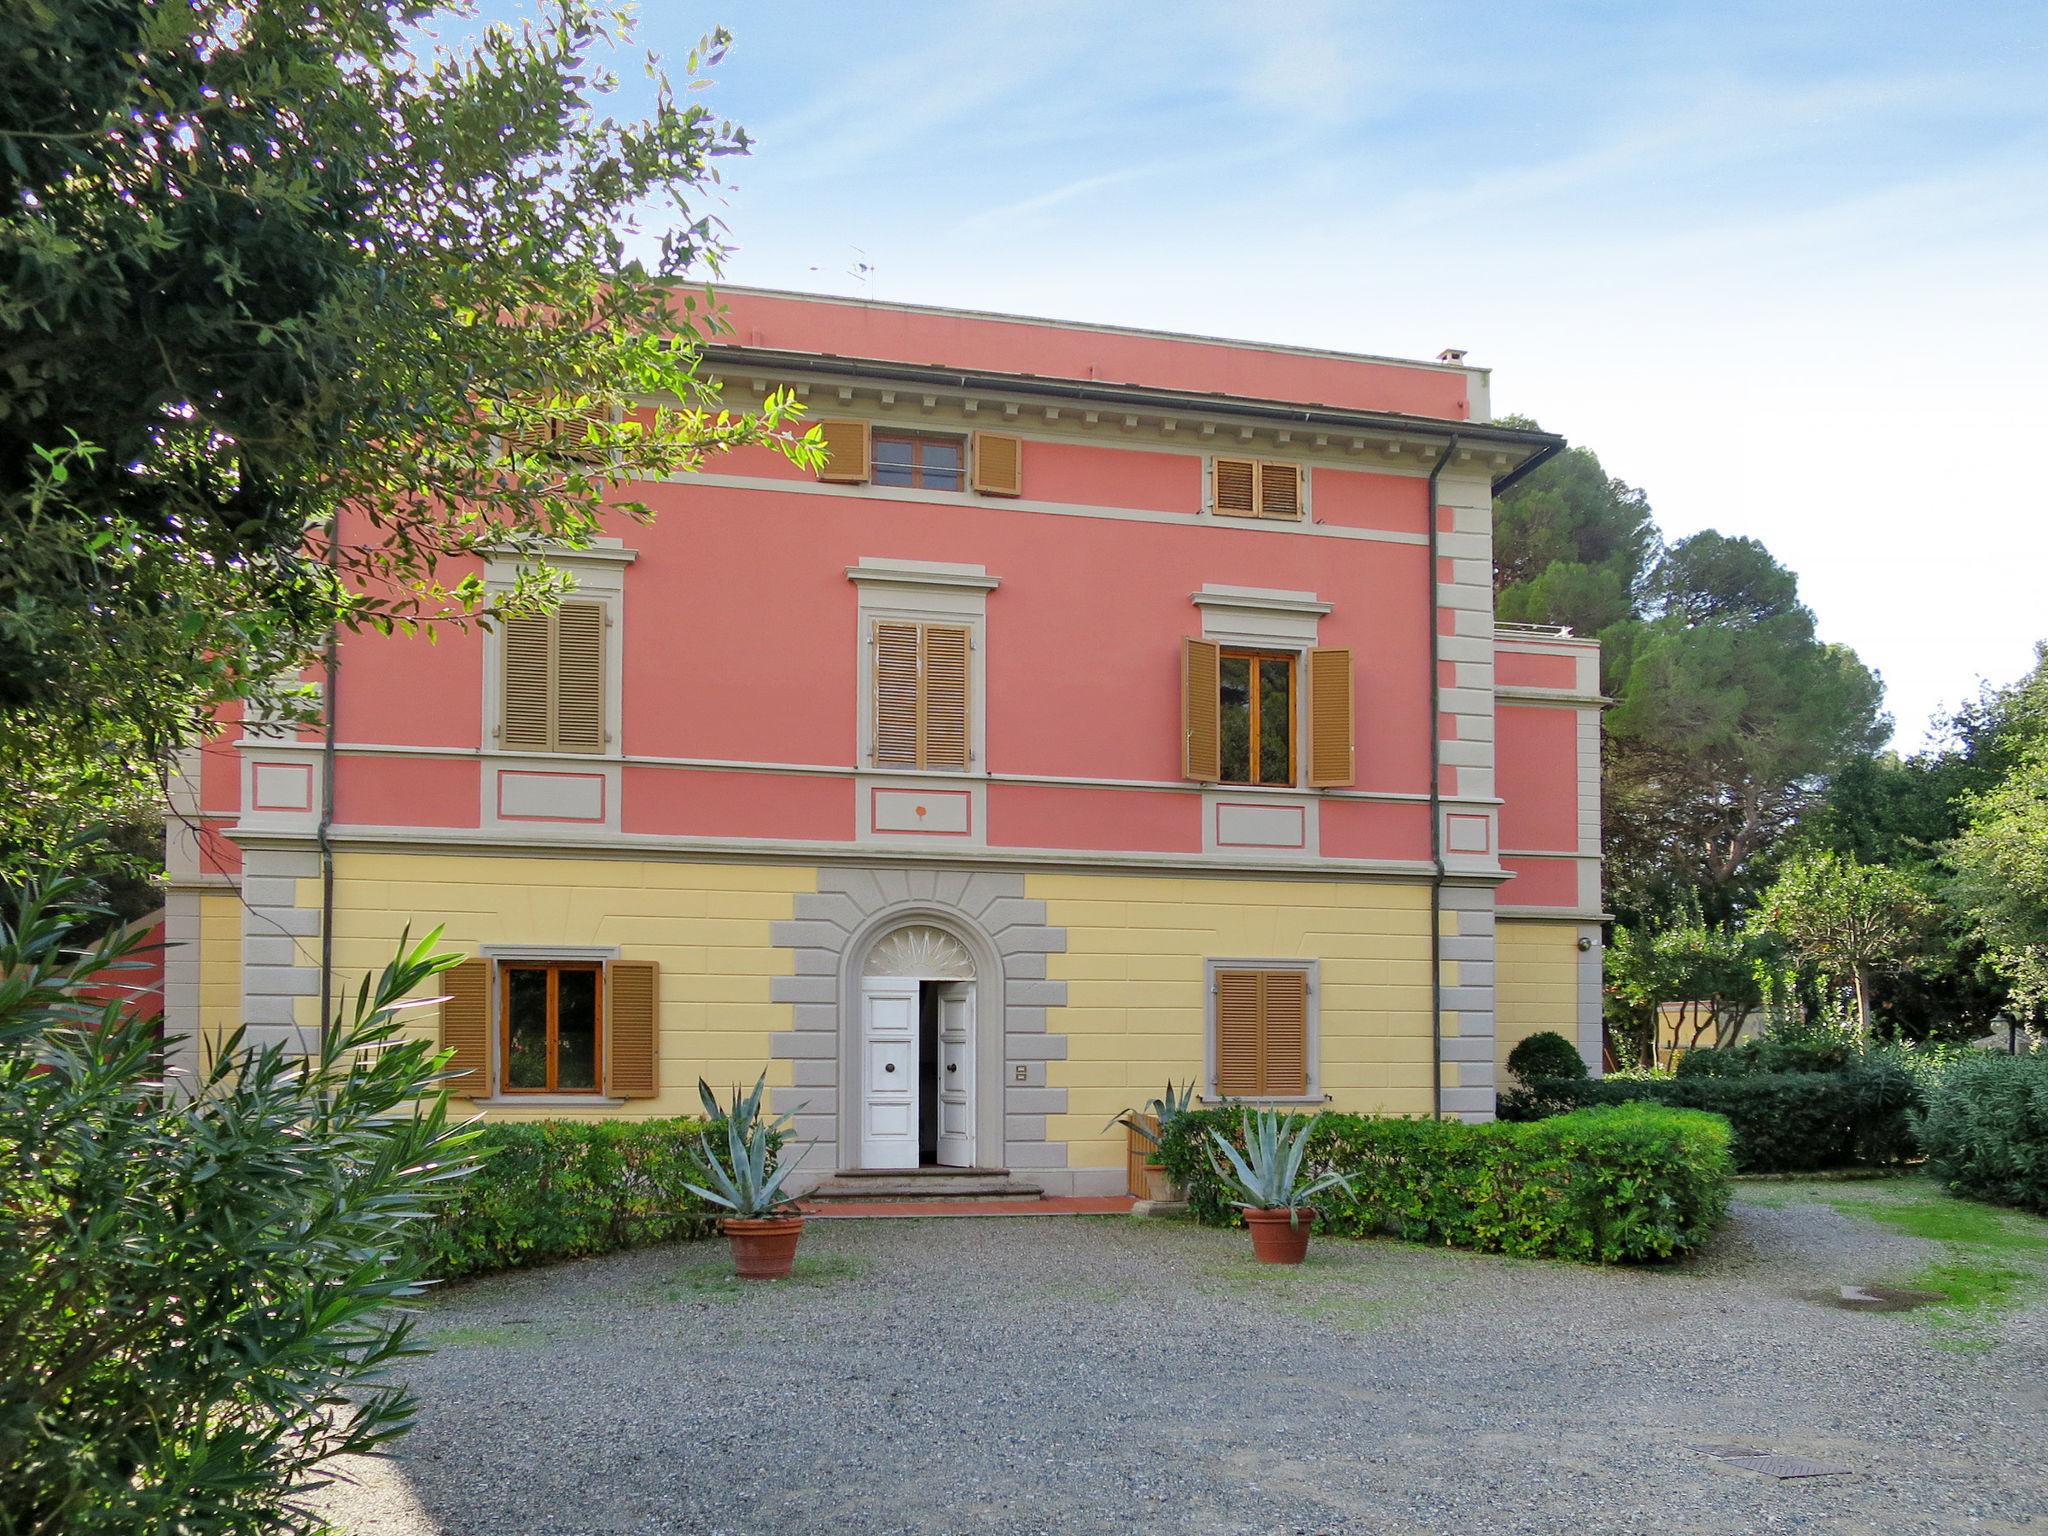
column 1332, row 726
column 998, row 464
column 1201, row 711
column 1239, row 1064
column 1280, row 490
column 579, row 677
column 528, row 671
column 947, row 648
column 466, row 1027
column 1236, row 488
column 631, row 1061
column 896, row 694
column 1283, row 1033
column 846, row 451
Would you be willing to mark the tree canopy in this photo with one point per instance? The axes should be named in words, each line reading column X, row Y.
column 264, row 265
column 1731, row 717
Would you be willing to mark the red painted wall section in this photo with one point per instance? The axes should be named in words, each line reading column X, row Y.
column 1355, row 499
column 1537, row 771
column 1374, row 829
column 1062, row 816
column 408, row 691
column 666, row 802
column 407, row 792
column 1529, row 669
column 850, row 328
column 1113, row 477
column 1540, row 883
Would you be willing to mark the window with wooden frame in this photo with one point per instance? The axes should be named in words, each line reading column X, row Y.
column 921, row 706
column 1241, row 708
column 552, row 680
column 552, row 1026
column 1255, row 488
column 927, row 463
column 1262, row 1037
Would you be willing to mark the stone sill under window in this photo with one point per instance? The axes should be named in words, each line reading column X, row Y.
column 549, row 1101
column 1211, row 1101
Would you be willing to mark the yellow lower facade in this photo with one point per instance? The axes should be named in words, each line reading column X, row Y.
column 1127, row 969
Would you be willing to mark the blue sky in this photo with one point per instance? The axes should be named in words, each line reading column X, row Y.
column 1781, row 265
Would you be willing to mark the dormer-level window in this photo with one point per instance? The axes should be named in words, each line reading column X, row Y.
column 912, row 459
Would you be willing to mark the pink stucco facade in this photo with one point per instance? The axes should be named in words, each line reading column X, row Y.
column 738, row 679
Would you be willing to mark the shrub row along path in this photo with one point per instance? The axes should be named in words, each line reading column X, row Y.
column 1082, row 1375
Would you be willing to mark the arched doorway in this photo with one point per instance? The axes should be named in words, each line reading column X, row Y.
column 917, row 1051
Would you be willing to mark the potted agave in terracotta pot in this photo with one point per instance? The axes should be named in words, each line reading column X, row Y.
column 1146, row 1129
column 1265, row 1182
column 745, row 1180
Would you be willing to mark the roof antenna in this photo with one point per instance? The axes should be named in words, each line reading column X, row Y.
column 861, row 270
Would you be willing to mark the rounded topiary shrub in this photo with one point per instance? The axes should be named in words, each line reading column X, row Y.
column 1546, row 1054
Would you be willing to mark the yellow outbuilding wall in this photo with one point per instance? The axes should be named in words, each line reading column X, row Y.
column 1536, row 983
column 1135, row 1012
column 220, row 970
column 706, row 925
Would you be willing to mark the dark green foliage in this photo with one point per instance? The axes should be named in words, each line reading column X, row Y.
column 1821, row 1052
column 194, row 1287
column 566, row 1189
column 1784, row 1122
column 1613, row 1186
column 1546, row 1054
column 1985, row 1131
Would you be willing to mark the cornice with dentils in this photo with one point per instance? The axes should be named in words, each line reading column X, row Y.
column 1505, row 453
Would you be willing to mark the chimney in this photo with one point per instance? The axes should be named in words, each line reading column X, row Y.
column 1451, row 355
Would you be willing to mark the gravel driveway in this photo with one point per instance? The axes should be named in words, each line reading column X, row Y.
column 1071, row 1375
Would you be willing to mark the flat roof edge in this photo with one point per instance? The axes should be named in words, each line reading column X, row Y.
column 1003, row 317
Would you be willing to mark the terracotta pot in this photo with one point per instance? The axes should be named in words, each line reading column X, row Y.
column 1158, row 1187
column 763, row 1247
column 1276, row 1237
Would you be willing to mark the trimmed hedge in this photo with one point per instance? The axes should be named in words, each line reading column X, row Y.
column 1985, row 1131
column 1546, row 1054
column 1784, row 1122
column 566, row 1189
column 1612, row 1186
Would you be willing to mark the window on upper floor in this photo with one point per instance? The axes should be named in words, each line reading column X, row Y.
column 1267, row 717
column 1255, row 488
column 1256, row 718
column 1262, row 1035
column 921, row 714
column 552, row 680
column 928, row 463
column 859, row 452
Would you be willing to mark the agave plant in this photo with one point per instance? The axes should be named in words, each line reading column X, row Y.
column 1268, row 1172
column 1164, row 1110
column 742, row 1179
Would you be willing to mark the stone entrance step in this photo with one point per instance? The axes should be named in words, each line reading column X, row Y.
column 910, row 1184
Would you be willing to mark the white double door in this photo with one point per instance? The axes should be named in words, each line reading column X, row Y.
column 890, row 1094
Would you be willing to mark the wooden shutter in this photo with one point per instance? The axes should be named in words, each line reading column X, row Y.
column 1280, row 490
column 527, row 672
column 579, row 677
column 947, row 648
column 466, row 1026
column 1236, row 488
column 846, row 451
column 1201, row 710
column 631, row 1061
column 1239, row 1065
column 896, row 694
column 1332, row 728
column 998, row 464
column 1283, row 1033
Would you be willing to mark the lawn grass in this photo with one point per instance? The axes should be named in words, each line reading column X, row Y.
column 1993, row 1261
